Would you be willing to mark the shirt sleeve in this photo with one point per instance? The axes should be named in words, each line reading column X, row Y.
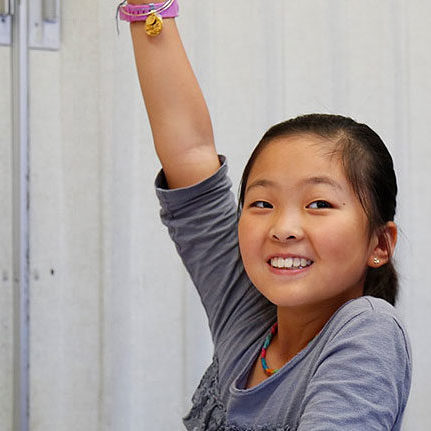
column 363, row 379
column 202, row 222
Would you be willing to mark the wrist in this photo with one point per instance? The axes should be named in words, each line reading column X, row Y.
column 152, row 13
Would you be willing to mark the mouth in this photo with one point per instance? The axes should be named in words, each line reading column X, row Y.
column 289, row 263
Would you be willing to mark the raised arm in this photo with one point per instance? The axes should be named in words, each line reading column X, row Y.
column 177, row 111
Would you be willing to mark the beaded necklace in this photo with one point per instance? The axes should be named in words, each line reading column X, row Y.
column 268, row 371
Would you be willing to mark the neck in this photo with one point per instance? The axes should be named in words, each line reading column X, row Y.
column 297, row 327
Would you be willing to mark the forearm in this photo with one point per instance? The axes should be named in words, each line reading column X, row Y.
column 177, row 111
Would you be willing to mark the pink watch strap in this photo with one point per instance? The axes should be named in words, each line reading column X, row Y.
column 131, row 13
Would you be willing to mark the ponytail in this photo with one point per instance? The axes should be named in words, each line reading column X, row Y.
column 382, row 283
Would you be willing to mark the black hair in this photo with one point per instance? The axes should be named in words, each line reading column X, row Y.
column 368, row 167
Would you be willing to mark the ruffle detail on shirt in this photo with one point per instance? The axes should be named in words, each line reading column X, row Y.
column 258, row 428
column 208, row 412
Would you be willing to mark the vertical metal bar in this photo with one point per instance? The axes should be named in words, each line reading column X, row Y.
column 20, row 220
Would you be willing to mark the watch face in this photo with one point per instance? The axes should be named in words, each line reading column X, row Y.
column 153, row 24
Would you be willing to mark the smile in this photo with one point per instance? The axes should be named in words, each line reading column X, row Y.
column 289, row 262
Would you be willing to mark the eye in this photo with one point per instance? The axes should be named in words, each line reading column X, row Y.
column 319, row 205
column 261, row 204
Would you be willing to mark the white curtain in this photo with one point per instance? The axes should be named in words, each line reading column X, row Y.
column 118, row 337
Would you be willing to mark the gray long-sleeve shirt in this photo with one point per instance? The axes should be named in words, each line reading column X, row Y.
column 354, row 375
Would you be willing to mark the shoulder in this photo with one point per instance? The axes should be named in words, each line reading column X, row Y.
column 370, row 304
column 371, row 313
column 362, row 376
column 367, row 327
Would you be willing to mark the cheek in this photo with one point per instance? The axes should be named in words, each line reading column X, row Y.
column 249, row 238
column 345, row 241
column 244, row 235
column 240, row 230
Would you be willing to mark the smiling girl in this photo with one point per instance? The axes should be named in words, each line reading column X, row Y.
column 297, row 280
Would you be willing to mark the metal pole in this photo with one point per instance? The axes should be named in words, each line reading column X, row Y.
column 20, row 219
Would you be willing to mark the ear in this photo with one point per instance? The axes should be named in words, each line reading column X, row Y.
column 384, row 241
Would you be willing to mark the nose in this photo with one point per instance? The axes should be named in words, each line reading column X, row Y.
column 282, row 237
column 285, row 229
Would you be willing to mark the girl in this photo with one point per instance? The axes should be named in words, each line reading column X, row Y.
column 297, row 282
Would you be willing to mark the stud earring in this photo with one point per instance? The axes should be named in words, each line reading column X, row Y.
column 376, row 260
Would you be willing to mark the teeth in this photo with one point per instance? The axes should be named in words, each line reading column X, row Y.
column 296, row 262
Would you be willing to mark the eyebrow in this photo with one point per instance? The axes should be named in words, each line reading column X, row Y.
column 323, row 179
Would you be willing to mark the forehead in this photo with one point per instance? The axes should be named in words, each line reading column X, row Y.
column 299, row 156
